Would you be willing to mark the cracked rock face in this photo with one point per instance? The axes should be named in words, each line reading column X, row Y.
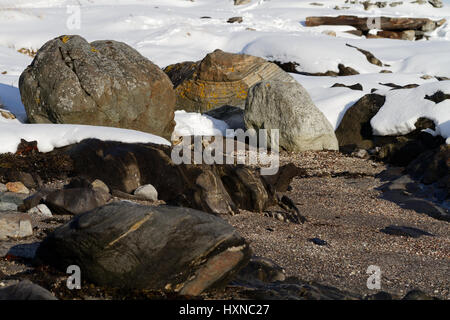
column 103, row 83
column 131, row 246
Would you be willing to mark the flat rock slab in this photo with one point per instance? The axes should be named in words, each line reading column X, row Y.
column 21, row 250
column 15, row 225
column 130, row 246
column 405, row 231
column 25, row 290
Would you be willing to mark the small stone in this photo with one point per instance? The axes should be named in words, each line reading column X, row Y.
column 240, row 2
column 41, row 210
column 3, row 188
column 361, row 153
column 99, row 184
column 235, row 19
column 147, row 191
column 8, row 206
column 17, row 187
column 318, row 241
column 15, row 225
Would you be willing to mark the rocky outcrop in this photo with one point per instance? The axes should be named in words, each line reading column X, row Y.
column 220, row 79
column 218, row 189
column 355, row 131
column 130, row 246
column 289, row 108
column 103, row 83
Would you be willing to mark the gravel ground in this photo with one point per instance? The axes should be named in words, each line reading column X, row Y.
column 347, row 212
column 340, row 197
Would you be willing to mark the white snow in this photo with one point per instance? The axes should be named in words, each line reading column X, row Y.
column 171, row 31
column 50, row 136
column 403, row 107
column 192, row 123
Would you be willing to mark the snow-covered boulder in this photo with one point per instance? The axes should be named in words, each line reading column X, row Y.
column 288, row 107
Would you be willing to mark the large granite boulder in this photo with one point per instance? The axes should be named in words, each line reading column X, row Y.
column 104, row 83
column 130, row 246
column 220, row 79
column 287, row 106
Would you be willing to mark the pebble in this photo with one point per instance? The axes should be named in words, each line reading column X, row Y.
column 147, row 191
column 3, row 187
column 8, row 206
column 41, row 210
column 17, row 187
column 99, row 184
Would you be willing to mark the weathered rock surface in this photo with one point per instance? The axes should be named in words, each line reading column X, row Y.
column 355, row 130
column 147, row 191
column 103, row 83
column 25, row 290
column 219, row 189
column 288, row 107
column 220, row 79
column 76, row 200
column 15, row 225
column 130, row 246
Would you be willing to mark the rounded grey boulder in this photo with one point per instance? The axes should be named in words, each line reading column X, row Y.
column 287, row 106
column 103, row 83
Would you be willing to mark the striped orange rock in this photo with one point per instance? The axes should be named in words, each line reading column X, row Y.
column 220, row 79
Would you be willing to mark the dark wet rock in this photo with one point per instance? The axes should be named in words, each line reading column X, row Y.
column 370, row 57
column 43, row 167
column 417, row 295
column 76, row 200
column 235, row 19
column 25, row 290
column 219, row 189
column 104, row 83
column 438, row 97
column 382, row 295
column 186, row 251
column 318, row 241
column 180, row 71
column 260, row 269
column 405, row 231
column 401, row 150
column 356, row 86
column 232, row 116
column 396, row 86
column 292, row 289
column 355, row 130
column 290, row 67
